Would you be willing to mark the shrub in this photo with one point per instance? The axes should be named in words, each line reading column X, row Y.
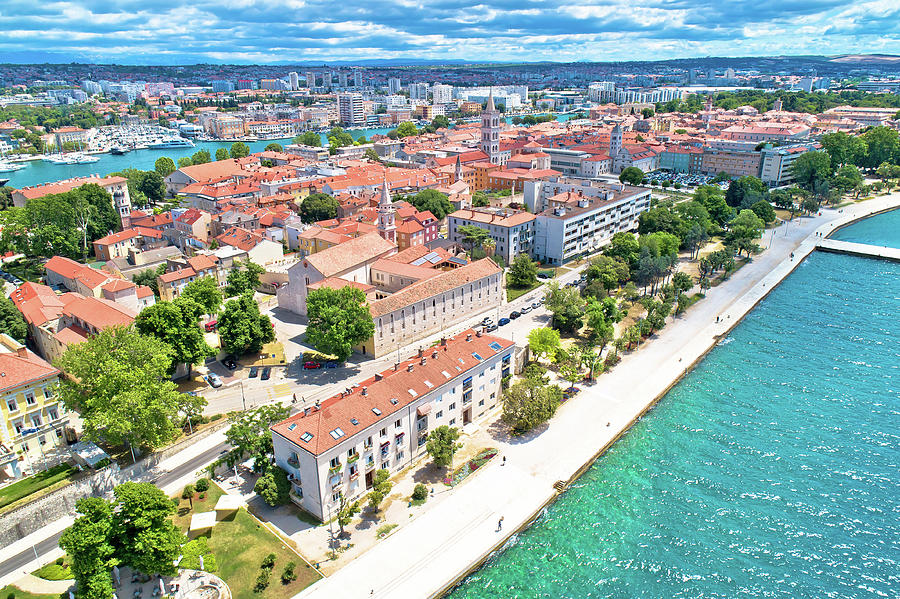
column 262, row 581
column 202, row 485
column 274, row 487
column 188, row 492
column 11, row 596
column 420, row 492
column 60, row 561
column 202, row 496
column 268, row 562
column 289, row 575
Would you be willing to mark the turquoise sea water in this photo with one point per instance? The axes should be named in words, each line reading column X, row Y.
column 771, row 470
column 881, row 229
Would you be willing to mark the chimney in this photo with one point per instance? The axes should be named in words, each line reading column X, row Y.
column 409, row 368
column 396, row 366
column 478, row 334
column 419, row 354
column 443, row 341
column 422, row 362
column 306, row 411
column 365, row 390
column 318, row 405
column 434, row 355
column 378, row 376
column 22, row 351
column 469, row 337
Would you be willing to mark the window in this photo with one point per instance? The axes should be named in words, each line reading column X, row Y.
column 335, row 462
column 19, row 426
column 59, row 433
column 452, row 421
column 452, row 406
column 383, row 432
column 439, row 414
column 336, row 433
column 29, row 398
column 354, row 469
column 481, row 403
column 42, row 440
column 336, row 496
column 36, row 419
column 306, row 437
column 54, row 415
column 47, row 393
column 368, row 443
column 399, row 455
column 12, row 405
column 352, row 453
column 398, row 424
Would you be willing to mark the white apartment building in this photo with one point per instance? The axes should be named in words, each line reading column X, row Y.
column 775, row 163
column 350, row 109
column 441, row 94
column 394, row 85
column 576, row 224
column 511, row 230
column 418, row 91
column 295, row 80
column 335, row 447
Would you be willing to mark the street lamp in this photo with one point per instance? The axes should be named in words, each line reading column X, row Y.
column 243, row 399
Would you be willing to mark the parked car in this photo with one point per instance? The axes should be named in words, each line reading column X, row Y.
column 543, row 275
column 525, row 309
column 491, row 327
column 514, row 315
column 502, row 321
column 266, row 373
column 214, row 381
column 331, row 364
column 254, row 370
column 311, row 365
column 536, row 304
column 230, row 362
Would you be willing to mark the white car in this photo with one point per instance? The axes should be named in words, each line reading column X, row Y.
column 214, row 381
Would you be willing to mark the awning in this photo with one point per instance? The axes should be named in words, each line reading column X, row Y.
column 385, row 444
column 423, row 409
column 400, row 435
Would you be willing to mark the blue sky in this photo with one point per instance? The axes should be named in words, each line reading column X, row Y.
column 272, row 31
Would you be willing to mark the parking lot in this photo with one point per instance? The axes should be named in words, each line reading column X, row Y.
column 684, row 179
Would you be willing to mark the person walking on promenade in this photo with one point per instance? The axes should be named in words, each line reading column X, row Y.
column 500, row 524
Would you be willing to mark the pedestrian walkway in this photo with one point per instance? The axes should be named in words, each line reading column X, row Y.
column 38, row 586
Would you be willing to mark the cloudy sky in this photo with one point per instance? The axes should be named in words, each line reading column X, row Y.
column 268, row 31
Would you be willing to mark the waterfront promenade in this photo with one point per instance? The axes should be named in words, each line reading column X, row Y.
column 859, row 249
column 424, row 557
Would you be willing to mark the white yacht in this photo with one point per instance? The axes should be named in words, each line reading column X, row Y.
column 175, row 142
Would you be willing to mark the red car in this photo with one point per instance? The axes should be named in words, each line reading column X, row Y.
column 311, row 365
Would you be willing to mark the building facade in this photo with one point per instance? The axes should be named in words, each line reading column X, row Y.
column 511, row 230
column 334, row 448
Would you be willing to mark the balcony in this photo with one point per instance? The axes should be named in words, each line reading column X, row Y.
column 354, row 476
column 293, row 462
column 296, row 499
column 353, row 459
column 370, row 466
column 335, row 469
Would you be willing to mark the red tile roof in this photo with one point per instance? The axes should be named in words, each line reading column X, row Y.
column 455, row 358
column 339, row 258
column 39, row 191
column 20, row 369
column 99, row 313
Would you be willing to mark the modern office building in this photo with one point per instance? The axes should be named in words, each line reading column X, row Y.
column 350, row 109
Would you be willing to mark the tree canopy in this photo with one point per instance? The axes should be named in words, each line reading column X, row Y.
column 442, row 445
column 543, row 341
column 433, row 201
column 11, row 321
column 318, row 206
column 243, row 277
column 242, row 329
column 175, row 323
column 810, row 169
column 118, row 382
column 631, row 175
column 309, row 138
column 530, row 402
column 567, row 307
column 274, row 147
column 339, row 319
column 522, row 272
column 206, row 293
column 239, row 150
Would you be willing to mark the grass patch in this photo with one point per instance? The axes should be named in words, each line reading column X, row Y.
column 13, row 592
column 460, row 474
column 183, row 512
column 54, row 571
column 513, row 293
column 35, row 483
column 241, row 544
column 385, row 529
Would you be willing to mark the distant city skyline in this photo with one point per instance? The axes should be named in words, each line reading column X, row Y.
column 303, row 31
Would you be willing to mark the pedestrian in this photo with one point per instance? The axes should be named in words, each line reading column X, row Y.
column 500, row 524
column 504, row 461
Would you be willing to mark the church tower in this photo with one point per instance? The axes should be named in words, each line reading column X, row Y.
column 387, row 226
column 615, row 141
column 490, row 131
column 459, row 171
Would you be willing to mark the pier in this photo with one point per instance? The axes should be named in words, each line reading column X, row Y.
column 859, row 249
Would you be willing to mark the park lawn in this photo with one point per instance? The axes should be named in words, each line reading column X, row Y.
column 35, row 483
column 513, row 293
column 240, row 544
column 13, row 592
column 183, row 512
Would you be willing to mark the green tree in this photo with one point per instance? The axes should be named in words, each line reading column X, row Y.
column 610, row 272
column 175, row 323
column 440, row 122
column 883, row 145
column 442, row 445
column 90, row 551
column 222, row 154
column 338, row 319
column 318, row 206
column 599, row 323
column 744, row 192
column 11, row 321
column 381, row 487
column 567, row 307
column 522, row 272
column 846, row 178
column 346, row 510
column 543, row 341
column 249, row 434
column 338, row 138
column 164, row 165
column 682, row 282
column 145, row 537
column 433, row 201
column 239, row 150
column 744, row 230
column 472, row 235
column 810, row 168
column 764, row 210
column 844, row 149
column 309, row 138
column 242, row 329
column 205, row 292
column 631, row 175
column 148, row 277
column 153, row 186
column 529, row 403
column 118, row 382
column 201, row 157
column 274, row 487
column 406, row 129
column 274, row 147
column 243, row 277
column 625, row 247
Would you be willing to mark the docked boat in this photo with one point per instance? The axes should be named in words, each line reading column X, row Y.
column 9, row 167
column 119, row 150
column 175, row 142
